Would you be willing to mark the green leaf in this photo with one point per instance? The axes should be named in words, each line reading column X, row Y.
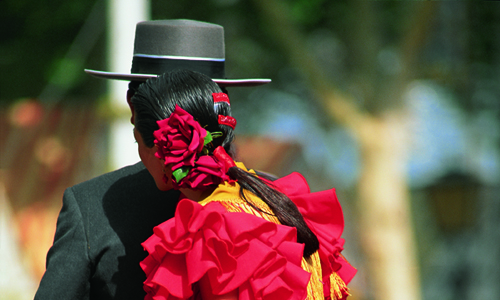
column 216, row 134
column 208, row 138
column 180, row 173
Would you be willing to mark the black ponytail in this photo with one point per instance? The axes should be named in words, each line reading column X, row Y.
column 282, row 207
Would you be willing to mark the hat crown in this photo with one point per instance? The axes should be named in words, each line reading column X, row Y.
column 183, row 38
column 161, row 46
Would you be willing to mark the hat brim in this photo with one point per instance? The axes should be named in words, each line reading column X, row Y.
column 144, row 77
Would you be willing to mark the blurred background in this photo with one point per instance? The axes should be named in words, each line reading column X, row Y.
column 396, row 104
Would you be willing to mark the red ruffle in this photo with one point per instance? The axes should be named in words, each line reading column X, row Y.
column 323, row 214
column 237, row 250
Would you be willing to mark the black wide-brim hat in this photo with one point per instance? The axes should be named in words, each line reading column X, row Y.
column 164, row 45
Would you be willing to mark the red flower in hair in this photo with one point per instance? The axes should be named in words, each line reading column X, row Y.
column 207, row 171
column 180, row 139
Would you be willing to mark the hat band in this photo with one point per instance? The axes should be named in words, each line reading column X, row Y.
column 155, row 65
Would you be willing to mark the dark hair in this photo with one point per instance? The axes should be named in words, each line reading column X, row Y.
column 156, row 99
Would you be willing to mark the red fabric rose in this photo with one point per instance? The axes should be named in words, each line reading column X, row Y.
column 179, row 139
column 207, row 171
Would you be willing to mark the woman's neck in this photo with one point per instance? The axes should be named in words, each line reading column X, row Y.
column 197, row 195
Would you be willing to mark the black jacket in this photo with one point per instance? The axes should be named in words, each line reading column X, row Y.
column 97, row 245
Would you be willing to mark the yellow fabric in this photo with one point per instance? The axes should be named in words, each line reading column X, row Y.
column 228, row 195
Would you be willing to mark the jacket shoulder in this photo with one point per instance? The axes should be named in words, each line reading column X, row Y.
column 136, row 172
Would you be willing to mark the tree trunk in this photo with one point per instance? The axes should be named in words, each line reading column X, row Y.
column 384, row 209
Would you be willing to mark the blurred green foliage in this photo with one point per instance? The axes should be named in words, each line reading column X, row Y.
column 354, row 42
column 35, row 38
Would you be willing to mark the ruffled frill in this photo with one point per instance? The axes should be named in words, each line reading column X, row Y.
column 236, row 250
column 240, row 250
column 323, row 214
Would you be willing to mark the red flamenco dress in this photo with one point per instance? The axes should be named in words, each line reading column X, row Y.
column 238, row 247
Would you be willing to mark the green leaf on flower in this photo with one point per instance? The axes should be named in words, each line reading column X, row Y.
column 208, row 138
column 211, row 136
column 216, row 134
column 180, row 173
